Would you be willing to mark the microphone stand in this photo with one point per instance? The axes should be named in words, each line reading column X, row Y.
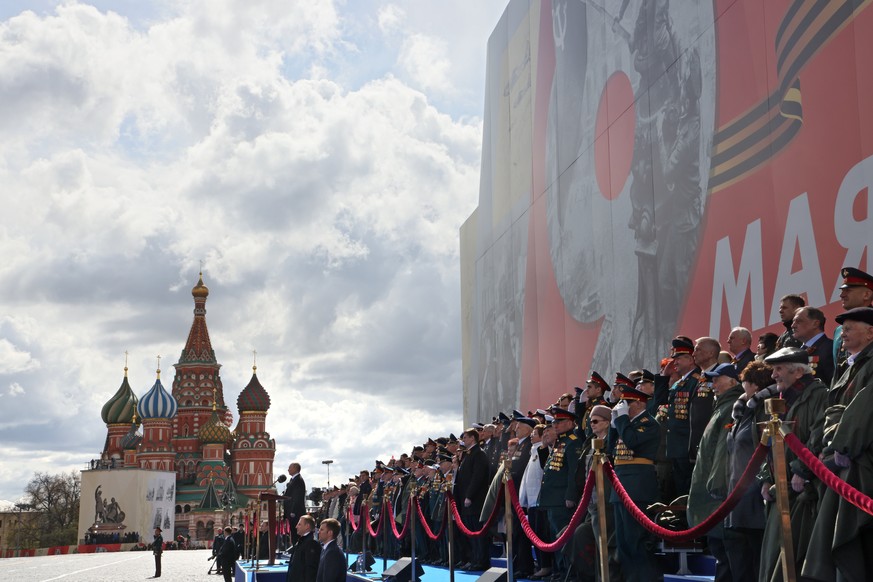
column 280, row 479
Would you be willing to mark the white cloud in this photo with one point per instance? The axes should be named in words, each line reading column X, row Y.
column 425, row 60
column 327, row 216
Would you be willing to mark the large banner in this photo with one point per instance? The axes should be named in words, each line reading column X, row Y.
column 652, row 168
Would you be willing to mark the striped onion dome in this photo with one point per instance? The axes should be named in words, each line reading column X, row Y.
column 214, row 431
column 121, row 406
column 157, row 402
column 253, row 397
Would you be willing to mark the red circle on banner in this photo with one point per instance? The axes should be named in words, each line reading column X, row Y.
column 614, row 135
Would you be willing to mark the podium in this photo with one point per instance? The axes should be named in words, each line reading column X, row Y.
column 271, row 499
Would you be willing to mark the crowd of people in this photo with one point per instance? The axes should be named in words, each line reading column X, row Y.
column 678, row 437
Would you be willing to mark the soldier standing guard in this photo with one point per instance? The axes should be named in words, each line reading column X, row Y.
column 633, row 445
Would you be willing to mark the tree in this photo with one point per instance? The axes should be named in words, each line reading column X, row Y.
column 55, row 498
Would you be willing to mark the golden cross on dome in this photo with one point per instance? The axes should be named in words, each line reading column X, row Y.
column 254, row 360
column 125, row 363
column 159, row 365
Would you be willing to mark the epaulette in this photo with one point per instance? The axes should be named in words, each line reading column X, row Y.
column 572, row 437
column 644, row 419
column 697, row 376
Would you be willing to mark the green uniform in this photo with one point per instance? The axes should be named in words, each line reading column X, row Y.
column 807, row 400
column 559, row 474
column 709, row 481
column 633, row 446
column 842, row 536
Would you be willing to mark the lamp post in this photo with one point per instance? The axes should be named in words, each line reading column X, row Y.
column 328, row 463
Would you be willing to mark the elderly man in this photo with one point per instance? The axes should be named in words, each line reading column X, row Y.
column 678, row 402
column 705, row 356
column 806, row 398
column 739, row 343
column 633, row 444
column 842, row 538
column 808, row 327
column 709, row 480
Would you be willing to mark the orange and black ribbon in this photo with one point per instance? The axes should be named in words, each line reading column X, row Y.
column 747, row 142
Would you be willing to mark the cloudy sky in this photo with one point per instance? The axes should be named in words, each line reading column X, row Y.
column 318, row 157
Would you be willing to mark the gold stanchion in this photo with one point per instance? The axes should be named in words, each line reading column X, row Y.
column 411, row 509
column 451, row 542
column 773, row 432
column 507, row 517
column 603, row 534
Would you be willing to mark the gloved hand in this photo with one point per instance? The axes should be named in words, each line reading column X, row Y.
column 797, row 483
column 841, row 460
column 765, row 491
column 620, row 409
column 614, row 416
column 572, row 406
column 582, row 394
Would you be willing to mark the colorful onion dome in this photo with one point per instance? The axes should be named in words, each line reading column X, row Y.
column 253, row 397
column 214, row 431
column 157, row 402
column 132, row 439
column 200, row 290
column 121, row 406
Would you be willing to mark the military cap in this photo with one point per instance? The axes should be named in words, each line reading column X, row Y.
column 478, row 425
column 645, row 376
column 561, row 413
column 864, row 314
column 853, row 277
column 727, row 369
column 503, row 418
column 442, row 441
column 452, row 438
column 598, row 379
column 401, row 470
column 516, row 414
column 528, row 421
column 541, row 412
column 430, row 441
column 417, row 449
column 633, row 394
column 681, row 345
column 623, row 381
column 788, row 356
column 444, row 457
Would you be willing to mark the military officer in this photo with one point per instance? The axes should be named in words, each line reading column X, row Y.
column 678, row 402
column 856, row 291
column 558, row 494
column 593, row 394
column 633, row 445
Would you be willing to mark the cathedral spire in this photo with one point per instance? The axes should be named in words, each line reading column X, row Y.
column 198, row 348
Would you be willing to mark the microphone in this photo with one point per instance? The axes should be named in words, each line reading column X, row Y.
column 281, row 479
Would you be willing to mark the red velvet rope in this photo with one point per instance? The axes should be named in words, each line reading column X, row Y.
column 351, row 518
column 707, row 524
column 832, row 481
column 562, row 540
column 380, row 520
column 427, row 530
column 390, row 512
column 464, row 530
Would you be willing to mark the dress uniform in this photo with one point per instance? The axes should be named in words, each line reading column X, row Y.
column 852, row 277
column 678, row 418
column 633, row 446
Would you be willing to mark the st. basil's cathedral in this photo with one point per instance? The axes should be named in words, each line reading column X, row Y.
column 218, row 471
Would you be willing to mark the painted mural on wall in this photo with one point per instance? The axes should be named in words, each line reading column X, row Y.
column 652, row 168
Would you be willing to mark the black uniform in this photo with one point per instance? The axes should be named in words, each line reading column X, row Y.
column 157, row 550
column 304, row 560
column 227, row 558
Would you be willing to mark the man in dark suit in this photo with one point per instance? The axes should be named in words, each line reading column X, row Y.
column 808, row 326
column 471, row 486
column 216, row 547
column 295, row 506
column 227, row 556
column 332, row 563
column 305, row 554
column 739, row 344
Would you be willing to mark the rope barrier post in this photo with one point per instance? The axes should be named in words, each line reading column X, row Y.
column 599, row 459
column 365, row 535
column 451, row 517
column 382, row 519
column 775, row 407
column 411, row 508
column 507, row 518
